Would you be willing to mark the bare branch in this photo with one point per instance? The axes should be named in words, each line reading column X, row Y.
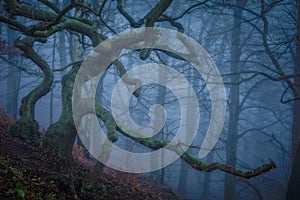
column 50, row 5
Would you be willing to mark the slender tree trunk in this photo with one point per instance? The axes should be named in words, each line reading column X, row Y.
column 207, row 179
column 293, row 192
column 184, row 167
column 62, row 49
column 52, row 66
column 13, row 80
column 296, row 114
column 183, row 174
column 61, row 45
column 160, row 99
column 183, row 178
column 232, row 137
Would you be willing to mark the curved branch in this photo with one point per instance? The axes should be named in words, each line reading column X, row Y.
column 155, row 144
column 68, row 65
column 173, row 23
column 14, row 24
column 132, row 22
column 271, row 55
column 15, row 8
column 50, row 5
column 197, row 163
column 253, row 187
column 28, row 102
column 150, row 19
column 29, row 72
column 122, row 73
column 189, row 9
column 202, row 166
column 156, row 12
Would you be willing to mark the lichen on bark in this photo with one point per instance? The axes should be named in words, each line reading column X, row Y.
column 60, row 136
column 27, row 130
column 27, row 127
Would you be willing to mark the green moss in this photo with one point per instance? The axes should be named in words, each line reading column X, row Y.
column 23, row 184
column 60, row 137
column 27, row 130
column 88, row 190
column 104, row 192
column 194, row 161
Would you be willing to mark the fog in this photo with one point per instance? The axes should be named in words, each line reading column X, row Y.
column 252, row 56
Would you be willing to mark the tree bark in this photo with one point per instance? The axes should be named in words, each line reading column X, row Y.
column 27, row 127
column 13, row 79
column 60, row 136
column 293, row 192
column 207, row 179
column 232, row 137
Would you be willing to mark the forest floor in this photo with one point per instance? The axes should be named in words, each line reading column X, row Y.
column 28, row 172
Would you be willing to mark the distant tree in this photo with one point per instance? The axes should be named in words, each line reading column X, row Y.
column 234, row 101
column 294, row 181
column 13, row 80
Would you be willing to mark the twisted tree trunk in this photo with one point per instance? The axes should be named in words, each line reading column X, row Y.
column 27, row 127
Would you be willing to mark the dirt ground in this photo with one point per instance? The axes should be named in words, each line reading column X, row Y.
column 32, row 173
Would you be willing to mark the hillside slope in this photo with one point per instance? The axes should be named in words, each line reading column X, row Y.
column 31, row 173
